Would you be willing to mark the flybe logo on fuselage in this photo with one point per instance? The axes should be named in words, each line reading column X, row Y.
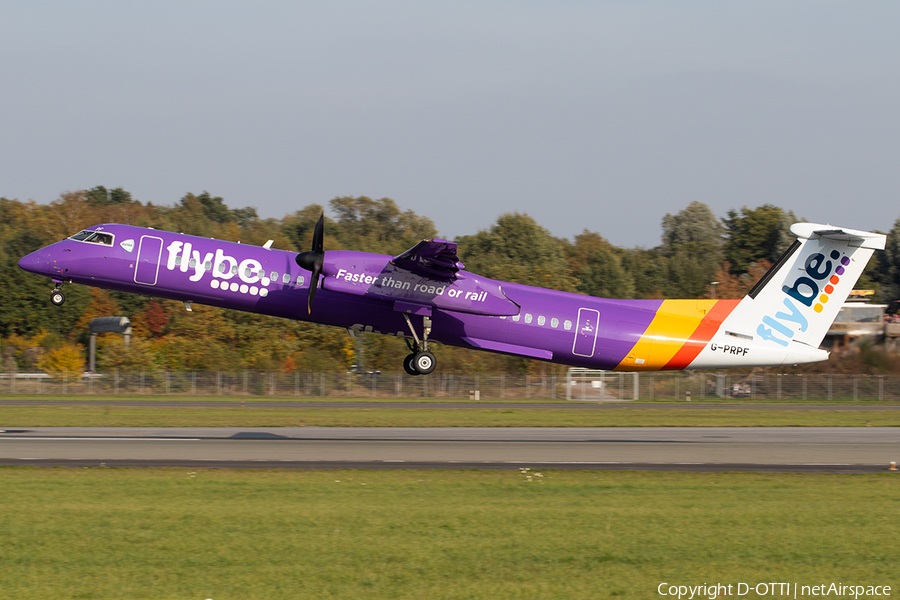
column 812, row 290
column 251, row 277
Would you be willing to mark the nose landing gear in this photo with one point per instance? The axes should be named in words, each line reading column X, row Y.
column 419, row 361
column 57, row 298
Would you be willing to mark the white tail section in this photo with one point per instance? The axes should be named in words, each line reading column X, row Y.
column 789, row 311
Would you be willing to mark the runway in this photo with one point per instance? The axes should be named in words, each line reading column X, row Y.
column 761, row 449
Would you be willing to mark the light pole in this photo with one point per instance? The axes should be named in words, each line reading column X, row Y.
column 712, row 286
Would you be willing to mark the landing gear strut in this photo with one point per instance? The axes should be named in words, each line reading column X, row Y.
column 57, row 298
column 419, row 361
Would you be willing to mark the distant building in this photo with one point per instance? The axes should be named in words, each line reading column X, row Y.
column 856, row 320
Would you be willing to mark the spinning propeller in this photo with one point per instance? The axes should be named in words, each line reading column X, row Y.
column 314, row 259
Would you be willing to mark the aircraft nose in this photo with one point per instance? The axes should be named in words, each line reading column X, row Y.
column 37, row 262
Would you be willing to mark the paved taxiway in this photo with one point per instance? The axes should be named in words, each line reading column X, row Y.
column 834, row 449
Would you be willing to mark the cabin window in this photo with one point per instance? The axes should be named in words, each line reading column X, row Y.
column 223, row 267
column 528, row 317
column 248, row 272
column 286, row 278
column 192, row 263
column 234, row 269
column 300, row 280
column 207, row 266
column 541, row 320
column 273, row 276
column 554, row 322
column 178, row 260
column 262, row 273
column 567, row 325
column 516, row 318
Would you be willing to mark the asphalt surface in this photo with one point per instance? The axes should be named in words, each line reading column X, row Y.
column 701, row 449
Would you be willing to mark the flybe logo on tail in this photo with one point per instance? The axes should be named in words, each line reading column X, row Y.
column 818, row 270
column 812, row 289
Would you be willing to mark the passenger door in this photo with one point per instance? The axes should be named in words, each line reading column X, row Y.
column 146, row 269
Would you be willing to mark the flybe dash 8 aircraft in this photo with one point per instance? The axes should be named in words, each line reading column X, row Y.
column 425, row 295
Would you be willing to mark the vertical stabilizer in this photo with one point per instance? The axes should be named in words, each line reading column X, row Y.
column 788, row 312
column 800, row 296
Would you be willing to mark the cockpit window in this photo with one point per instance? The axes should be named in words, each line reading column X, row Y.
column 93, row 237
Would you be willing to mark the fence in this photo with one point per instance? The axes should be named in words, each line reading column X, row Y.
column 682, row 386
column 575, row 385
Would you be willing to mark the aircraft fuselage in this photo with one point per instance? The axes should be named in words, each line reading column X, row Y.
column 370, row 292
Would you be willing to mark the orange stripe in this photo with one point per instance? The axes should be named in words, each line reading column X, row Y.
column 705, row 330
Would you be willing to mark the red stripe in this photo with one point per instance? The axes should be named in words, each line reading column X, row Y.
column 705, row 330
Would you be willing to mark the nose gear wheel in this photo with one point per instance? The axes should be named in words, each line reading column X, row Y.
column 57, row 298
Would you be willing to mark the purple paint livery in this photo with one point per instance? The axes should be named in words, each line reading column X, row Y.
column 425, row 295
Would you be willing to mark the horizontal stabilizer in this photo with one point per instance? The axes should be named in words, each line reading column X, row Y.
column 853, row 237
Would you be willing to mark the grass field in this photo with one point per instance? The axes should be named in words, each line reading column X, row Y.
column 67, row 415
column 175, row 533
column 811, row 401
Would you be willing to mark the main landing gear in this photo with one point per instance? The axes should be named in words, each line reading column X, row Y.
column 419, row 361
column 57, row 298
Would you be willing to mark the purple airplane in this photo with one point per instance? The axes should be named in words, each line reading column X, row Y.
column 424, row 295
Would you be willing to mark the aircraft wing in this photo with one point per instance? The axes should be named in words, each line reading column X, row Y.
column 431, row 258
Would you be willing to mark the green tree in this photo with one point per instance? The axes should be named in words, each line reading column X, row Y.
column 517, row 249
column 694, row 227
column 692, row 242
column 213, row 207
column 756, row 234
column 23, row 229
column 378, row 226
column 887, row 267
column 101, row 196
column 298, row 227
column 649, row 270
column 138, row 355
column 597, row 266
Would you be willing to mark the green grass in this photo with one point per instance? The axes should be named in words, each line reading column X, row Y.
column 176, row 533
column 659, row 401
column 67, row 415
column 261, row 399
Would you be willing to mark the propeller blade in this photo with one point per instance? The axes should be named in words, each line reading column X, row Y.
column 313, row 284
column 314, row 260
column 319, row 235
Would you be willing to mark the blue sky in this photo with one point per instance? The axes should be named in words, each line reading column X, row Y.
column 596, row 115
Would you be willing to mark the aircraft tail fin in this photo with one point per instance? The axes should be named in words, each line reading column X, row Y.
column 798, row 299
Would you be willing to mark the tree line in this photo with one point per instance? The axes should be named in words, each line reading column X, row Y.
column 696, row 249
